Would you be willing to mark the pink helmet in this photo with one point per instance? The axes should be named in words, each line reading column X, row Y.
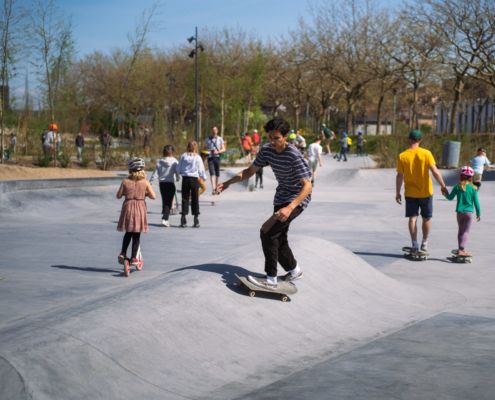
column 467, row 171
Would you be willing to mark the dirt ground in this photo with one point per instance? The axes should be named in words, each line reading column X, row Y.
column 15, row 172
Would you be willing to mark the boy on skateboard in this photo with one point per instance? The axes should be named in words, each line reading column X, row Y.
column 292, row 196
column 413, row 169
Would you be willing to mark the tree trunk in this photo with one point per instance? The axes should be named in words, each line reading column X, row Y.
column 458, row 87
column 222, row 112
column 379, row 114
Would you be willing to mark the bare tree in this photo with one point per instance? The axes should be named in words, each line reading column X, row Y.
column 53, row 47
column 9, row 24
column 466, row 29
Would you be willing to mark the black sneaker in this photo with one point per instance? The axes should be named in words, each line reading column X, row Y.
column 183, row 221
column 288, row 277
column 196, row 221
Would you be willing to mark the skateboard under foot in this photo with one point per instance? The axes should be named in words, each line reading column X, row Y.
column 413, row 254
column 459, row 259
column 283, row 289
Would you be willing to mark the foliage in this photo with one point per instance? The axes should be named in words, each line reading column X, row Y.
column 44, row 160
column 63, row 159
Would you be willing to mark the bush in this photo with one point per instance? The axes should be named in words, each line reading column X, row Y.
column 44, row 160
column 85, row 160
column 64, row 159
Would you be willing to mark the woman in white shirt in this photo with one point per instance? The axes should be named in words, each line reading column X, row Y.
column 191, row 168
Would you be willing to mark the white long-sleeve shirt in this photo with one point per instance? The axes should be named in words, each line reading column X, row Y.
column 191, row 164
column 166, row 169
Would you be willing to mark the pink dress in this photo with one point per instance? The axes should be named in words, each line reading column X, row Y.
column 133, row 217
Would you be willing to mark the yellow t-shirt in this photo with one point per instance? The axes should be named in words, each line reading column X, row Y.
column 415, row 165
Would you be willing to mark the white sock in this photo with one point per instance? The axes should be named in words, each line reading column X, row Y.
column 271, row 279
column 424, row 242
column 414, row 244
column 296, row 271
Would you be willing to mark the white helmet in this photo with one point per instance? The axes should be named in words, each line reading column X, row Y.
column 135, row 164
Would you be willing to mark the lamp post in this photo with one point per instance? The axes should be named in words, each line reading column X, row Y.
column 394, row 122
column 194, row 54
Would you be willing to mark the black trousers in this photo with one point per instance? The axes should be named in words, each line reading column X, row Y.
column 135, row 236
column 190, row 193
column 275, row 244
column 259, row 177
column 167, row 190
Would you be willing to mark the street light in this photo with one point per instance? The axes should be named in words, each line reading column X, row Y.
column 194, row 54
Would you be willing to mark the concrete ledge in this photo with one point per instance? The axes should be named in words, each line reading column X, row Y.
column 35, row 184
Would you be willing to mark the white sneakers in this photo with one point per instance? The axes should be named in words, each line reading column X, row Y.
column 165, row 223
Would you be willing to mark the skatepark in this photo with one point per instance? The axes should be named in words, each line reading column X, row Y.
column 366, row 323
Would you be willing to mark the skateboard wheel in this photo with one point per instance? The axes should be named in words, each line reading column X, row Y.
column 139, row 267
column 252, row 293
column 284, row 298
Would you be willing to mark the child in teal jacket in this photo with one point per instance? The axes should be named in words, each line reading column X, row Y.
column 467, row 202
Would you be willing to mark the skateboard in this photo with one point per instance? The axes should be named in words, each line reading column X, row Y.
column 127, row 263
column 284, row 289
column 415, row 255
column 459, row 259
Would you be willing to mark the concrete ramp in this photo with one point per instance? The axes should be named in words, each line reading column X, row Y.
column 192, row 333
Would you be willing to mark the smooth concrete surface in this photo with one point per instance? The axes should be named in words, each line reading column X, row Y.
column 446, row 357
column 72, row 327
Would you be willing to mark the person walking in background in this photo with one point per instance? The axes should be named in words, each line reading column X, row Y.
column 167, row 170
column 314, row 158
column 191, row 168
column 79, row 146
column 478, row 163
column 343, row 147
column 360, row 144
column 215, row 146
column 292, row 196
column 467, row 202
column 133, row 216
column 413, row 169
column 247, row 146
column 49, row 140
column 12, row 145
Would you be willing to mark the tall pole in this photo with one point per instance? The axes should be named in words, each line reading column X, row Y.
column 196, row 85
column 394, row 123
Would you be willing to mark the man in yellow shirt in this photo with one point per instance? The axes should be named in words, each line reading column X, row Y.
column 413, row 169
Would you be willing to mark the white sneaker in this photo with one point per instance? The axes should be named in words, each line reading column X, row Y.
column 262, row 283
column 165, row 223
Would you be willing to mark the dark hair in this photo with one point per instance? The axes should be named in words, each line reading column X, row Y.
column 168, row 149
column 278, row 124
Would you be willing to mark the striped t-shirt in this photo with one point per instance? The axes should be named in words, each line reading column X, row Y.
column 289, row 168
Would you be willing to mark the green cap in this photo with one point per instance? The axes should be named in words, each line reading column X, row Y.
column 415, row 134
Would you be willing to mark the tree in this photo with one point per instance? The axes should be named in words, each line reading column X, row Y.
column 11, row 19
column 466, row 28
column 53, row 45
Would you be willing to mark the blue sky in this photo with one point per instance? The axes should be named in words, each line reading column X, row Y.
column 104, row 24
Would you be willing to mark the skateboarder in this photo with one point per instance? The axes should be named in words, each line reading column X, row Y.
column 293, row 194
column 133, row 218
column 467, row 201
column 413, row 169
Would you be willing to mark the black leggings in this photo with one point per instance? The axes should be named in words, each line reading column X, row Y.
column 135, row 236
